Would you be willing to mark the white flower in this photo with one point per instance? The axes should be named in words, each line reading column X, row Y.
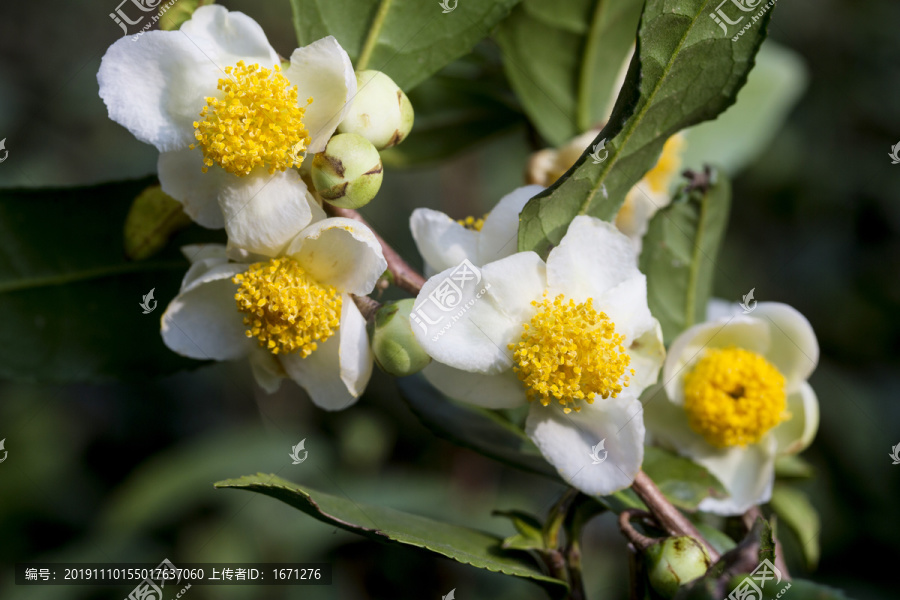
column 736, row 397
column 229, row 124
column 573, row 335
column 648, row 196
column 444, row 242
column 292, row 315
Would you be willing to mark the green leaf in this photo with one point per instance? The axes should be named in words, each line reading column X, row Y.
column 407, row 39
column 794, row 508
column 464, row 545
column 684, row 482
column 456, row 109
column 529, row 530
column 802, row 589
column 69, row 297
column 720, row 541
column 479, row 429
column 684, row 72
column 679, row 254
column 745, row 130
column 154, row 218
column 792, row 466
column 566, row 82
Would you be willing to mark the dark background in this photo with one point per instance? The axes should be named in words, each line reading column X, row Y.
column 122, row 472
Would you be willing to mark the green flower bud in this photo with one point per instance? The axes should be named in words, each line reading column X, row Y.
column 674, row 562
column 395, row 346
column 381, row 112
column 348, row 173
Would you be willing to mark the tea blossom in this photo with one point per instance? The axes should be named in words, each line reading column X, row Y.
column 231, row 125
column 572, row 338
column 444, row 242
column 737, row 397
column 648, row 196
column 291, row 315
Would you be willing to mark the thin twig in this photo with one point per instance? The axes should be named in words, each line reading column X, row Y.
column 667, row 515
column 367, row 306
column 405, row 277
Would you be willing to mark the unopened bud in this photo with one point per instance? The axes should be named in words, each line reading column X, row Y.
column 674, row 562
column 381, row 112
column 394, row 344
column 348, row 173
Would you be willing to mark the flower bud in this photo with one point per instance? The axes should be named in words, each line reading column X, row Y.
column 348, row 173
column 381, row 112
column 394, row 344
column 674, row 562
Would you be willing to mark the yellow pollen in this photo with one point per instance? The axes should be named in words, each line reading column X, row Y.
column 257, row 123
column 285, row 308
column 733, row 397
column 570, row 353
column 472, row 223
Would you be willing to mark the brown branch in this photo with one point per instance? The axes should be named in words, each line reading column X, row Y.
column 367, row 306
column 667, row 515
column 405, row 277
column 636, row 538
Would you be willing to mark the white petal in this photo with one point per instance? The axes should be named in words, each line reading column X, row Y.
column 355, row 354
column 718, row 308
column 647, row 354
column 442, row 242
column 267, row 371
column 181, row 176
column 797, row 433
column 203, row 321
column 739, row 331
column 592, row 258
column 225, row 37
column 566, row 442
column 320, row 375
column 499, row 235
column 515, row 282
column 487, row 391
column 199, row 268
column 264, row 212
column 156, row 87
column 626, row 306
column 667, row 424
column 340, row 252
column 459, row 324
column 322, row 71
column 793, row 348
column 197, row 252
column 747, row 474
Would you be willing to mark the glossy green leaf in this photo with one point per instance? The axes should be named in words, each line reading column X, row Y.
column 680, row 253
column 529, row 534
column 462, row 544
column 567, row 82
column 685, row 71
column 479, row 429
column 796, row 511
column 69, row 296
column 407, row 39
column 684, row 482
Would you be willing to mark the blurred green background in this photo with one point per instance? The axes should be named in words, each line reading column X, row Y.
column 124, row 472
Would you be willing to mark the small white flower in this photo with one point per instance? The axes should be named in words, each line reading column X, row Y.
column 444, row 242
column 229, row 124
column 736, row 397
column 291, row 315
column 643, row 201
column 573, row 336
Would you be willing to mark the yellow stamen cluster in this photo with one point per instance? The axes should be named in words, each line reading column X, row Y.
column 667, row 167
column 570, row 352
column 257, row 123
column 734, row 397
column 472, row 223
column 286, row 309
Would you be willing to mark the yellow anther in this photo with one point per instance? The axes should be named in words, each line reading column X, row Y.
column 257, row 123
column 472, row 223
column 286, row 309
column 569, row 353
column 733, row 397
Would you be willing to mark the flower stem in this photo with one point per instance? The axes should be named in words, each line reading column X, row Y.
column 372, row 37
column 668, row 516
